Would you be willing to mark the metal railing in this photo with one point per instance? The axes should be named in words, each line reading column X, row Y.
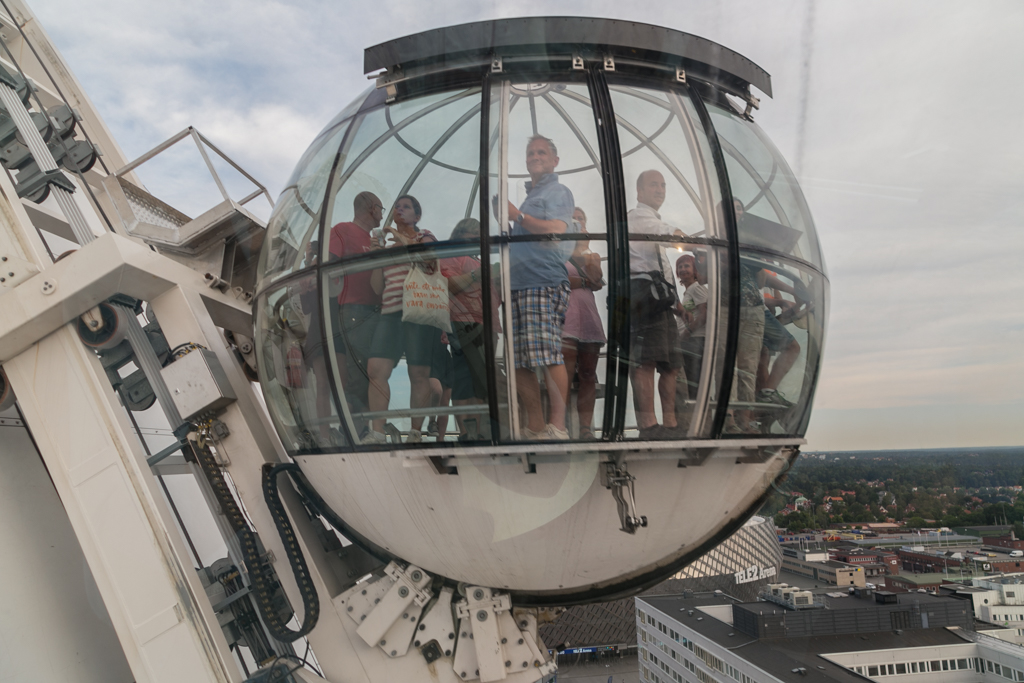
column 201, row 143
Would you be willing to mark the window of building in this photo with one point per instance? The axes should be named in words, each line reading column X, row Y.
column 872, row 671
column 901, row 668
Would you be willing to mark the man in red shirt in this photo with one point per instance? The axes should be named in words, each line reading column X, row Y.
column 354, row 321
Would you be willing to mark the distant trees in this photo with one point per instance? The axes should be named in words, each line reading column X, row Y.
column 918, row 488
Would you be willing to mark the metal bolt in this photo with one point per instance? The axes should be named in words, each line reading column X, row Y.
column 520, row 641
column 536, row 662
column 463, row 674
column 478, row 594
column 525, row 664
column 362, row 617
column 364, row 591
column 403, row 592
column 447, row 653
column 481, row 615
column 478, row 672
column 376, row 600
column 394, row 652
column 416, row 643
column 417, row 576
column 350, row 608
column 508, row 663
column 3, row 258
column 423, row 627
column 405, row 615
column 383, row 643
column 523, row 623
column 451, row 636
column 504, row 640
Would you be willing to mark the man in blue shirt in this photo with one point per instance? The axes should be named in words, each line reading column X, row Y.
column 540, row 290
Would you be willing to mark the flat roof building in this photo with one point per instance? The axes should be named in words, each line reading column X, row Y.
column 878, row 636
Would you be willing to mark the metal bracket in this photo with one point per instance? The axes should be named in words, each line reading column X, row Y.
column 492, row 645
column 609, row 63
column 615, row 477
column 693, row 457
column 389, row 81
column 14, row 270
column 435, row 636
column 577, row 62
column 680, row 74
column 752, row 104
column 496, row 65
column 389, row 608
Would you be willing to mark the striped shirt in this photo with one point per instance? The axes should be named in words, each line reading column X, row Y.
column 394, row 277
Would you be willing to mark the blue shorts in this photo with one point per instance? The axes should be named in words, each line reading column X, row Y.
column 776, row 337
column 538, row 316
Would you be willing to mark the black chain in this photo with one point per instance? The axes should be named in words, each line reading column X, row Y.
column 261, row 575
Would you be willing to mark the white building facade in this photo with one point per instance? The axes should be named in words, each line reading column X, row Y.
column 669, row 649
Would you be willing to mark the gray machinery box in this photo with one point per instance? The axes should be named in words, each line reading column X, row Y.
column 197, row 383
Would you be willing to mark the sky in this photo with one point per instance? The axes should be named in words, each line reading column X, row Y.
column 902, row 120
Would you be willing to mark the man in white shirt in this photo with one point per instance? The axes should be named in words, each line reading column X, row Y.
column 653, row 333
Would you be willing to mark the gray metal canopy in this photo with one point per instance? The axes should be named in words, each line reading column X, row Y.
column 628, row 40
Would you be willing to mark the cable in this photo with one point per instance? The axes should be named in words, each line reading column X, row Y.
column 261, row 575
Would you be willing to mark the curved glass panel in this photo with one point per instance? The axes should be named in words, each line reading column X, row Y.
column 428, row 147
column 547, row 199
column 412, row 368
column 292, row 228
column 408, row 177
column 293, row 371
column 777, row 216
column 676, row 287
column 781, row 336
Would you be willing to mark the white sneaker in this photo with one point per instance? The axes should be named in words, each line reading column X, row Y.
column 415, row 436
column 373, row 438
column 530, row 435
column 553, row 433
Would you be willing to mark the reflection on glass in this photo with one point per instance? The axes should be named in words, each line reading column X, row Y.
column 394, row 361
column 782, row 314
column 407, row 176
column 665, row 157
column 777, row 216
column 294, row 370
column 551, row 169
column 428, row 147
column 296, row 218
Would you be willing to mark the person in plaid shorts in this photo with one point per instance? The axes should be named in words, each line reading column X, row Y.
column 540, row 291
